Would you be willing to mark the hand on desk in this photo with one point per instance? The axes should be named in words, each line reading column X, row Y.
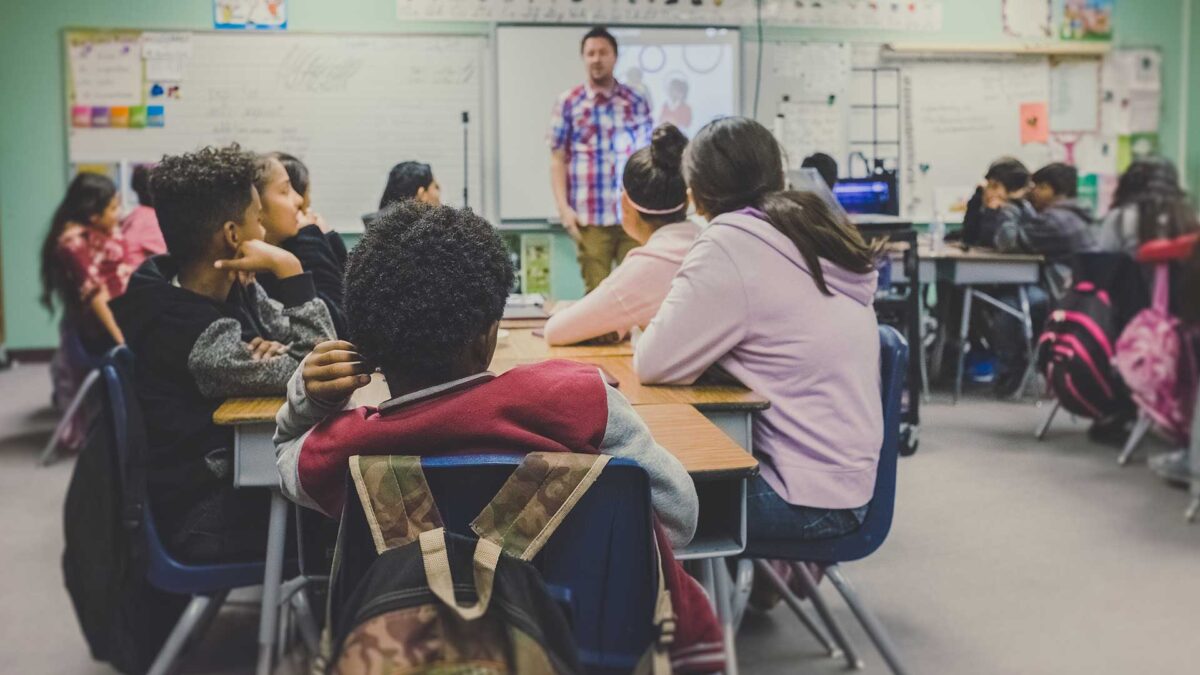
column 261, row 349
column 334, row 370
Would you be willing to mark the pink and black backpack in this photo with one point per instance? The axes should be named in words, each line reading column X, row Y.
column 1157, row 362
column 1075, row 353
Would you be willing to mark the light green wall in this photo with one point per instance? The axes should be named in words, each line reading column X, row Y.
column 1193, row 158
column 33, row 144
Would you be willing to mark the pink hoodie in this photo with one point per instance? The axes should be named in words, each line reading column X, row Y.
column 631, row 295
column 744, row 299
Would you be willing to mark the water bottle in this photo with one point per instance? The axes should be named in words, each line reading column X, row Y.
column 937, row 233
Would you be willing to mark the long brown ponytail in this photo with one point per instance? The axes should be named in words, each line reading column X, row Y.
column 735, row 162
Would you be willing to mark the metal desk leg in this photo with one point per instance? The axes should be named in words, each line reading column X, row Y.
column 724, row 592
column 276, row 540
column 922, row 315
column 963, row 333
column 1027, row 326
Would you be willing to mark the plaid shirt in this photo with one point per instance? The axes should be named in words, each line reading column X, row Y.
column 599, row 131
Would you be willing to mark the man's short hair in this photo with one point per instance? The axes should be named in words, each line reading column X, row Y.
column 1062, row 178
column 1009, row 172
column 196, row 193
column 599, row 32
column 424, row 282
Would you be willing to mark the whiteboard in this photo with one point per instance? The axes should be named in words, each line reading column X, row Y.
column 814, row 78
column 349, row 106
column 707, row 59
column 958, row 118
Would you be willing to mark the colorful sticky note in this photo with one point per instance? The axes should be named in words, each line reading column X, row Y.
column 137, row 117
column 1035, row 123
column 100, row 116
column 81, row 116
column 118, row 116
column 155, row 117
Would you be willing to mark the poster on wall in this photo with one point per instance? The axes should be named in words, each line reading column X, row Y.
column 1087, row 20
column 250, row 14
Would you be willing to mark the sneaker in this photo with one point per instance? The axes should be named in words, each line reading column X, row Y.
column 1111, row 431
column 1173, row 467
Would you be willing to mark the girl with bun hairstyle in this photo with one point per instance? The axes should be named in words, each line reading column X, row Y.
column 779, row 292
column 654, row 208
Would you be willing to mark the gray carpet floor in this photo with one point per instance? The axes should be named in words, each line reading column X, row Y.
column 1008, row 556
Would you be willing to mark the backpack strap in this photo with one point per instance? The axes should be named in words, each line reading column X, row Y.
column 395, row 498
column 441, row 581
column 657, row 658
column 535, row 499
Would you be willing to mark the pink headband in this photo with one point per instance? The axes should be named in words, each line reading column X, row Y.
column 652, row 212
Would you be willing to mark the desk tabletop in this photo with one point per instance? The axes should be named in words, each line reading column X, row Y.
column 975, row 254
column 522, row 344
column 703, row 396
column 702, row 448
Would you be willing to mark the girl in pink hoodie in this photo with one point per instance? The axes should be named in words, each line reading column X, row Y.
column 654, row 212
column 778, row 291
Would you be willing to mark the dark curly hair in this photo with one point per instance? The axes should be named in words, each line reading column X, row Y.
column 196, row 193
column 422, row 283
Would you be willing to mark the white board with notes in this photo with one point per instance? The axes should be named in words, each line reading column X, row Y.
column 958, row 118
column 350, row 106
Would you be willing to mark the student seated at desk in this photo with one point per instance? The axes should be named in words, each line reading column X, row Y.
column 143, row 238
column 825, row 165
column 301, row 179
column 408, row 180
column 654, row 212
column 1149, row 204
column 1057, row 226
column 425, row 290
column 85, row 263
column 779, row 292
column 296, row 231
column 203, row 331
column 997, row 201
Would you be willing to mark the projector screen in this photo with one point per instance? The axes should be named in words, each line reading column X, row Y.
column 689, row 75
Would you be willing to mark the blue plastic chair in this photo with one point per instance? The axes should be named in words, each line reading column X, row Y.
column 207, row 584
column 600, row 565
column 829, row 553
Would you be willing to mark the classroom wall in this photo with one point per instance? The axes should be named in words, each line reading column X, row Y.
column 32, row 136
column 1193, row 112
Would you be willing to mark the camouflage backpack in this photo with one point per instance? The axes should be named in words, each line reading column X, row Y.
column 432, row 601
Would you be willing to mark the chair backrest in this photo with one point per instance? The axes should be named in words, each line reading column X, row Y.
column 162, row 570
column 600, row 562
column 893, row 365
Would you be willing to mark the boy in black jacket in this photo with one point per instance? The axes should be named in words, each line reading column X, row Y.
column 295, row 230
column 202, row 330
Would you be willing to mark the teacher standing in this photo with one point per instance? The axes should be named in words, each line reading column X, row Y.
column 595, row 128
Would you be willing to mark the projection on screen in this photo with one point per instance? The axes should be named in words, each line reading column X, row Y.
column 689, row 77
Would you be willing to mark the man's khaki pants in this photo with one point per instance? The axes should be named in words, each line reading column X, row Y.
column 599, row 248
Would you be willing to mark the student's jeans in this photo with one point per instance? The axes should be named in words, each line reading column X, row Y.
column 769, row 517
column 599, row 248
column 1008, row 335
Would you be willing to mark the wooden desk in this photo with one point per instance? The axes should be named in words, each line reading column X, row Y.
column 719, row 467
column 522, row 345
column 509, row 324
column 983, row 267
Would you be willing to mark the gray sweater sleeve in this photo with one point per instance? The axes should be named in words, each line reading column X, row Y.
column 671, row 488
column 293, row 424
column 222, row 364
column 301, row 322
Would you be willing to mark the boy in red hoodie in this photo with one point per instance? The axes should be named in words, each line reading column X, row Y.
column 425, row 290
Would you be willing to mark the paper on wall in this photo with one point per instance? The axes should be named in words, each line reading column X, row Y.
column 1075, row 96
column 106, row 73
column 1027, row 18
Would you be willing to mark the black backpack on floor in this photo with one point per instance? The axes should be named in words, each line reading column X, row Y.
column 124, row 619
